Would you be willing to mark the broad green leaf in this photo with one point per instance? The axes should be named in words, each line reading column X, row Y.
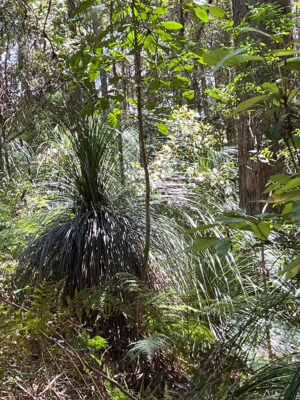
column 292, row 183
column 240, row 225
column 214, row 93
column 281, row 178
column 189, row 94
column 182, row 78
column 163, row 35
column 160, row 11
column 201, row 14
column 270, row 87
column 288, row 208
column 217, row 11
column 245, row 105
column 150, row 105
column 150, row 43
column 287, row 196
column 202, row 244
column 231, row 58
column 162, row 128
column 261, row 230
column 93, row 75
column 294, row 63
column 59, row 40
column 245, row 58
column 171, row 25
column 223, row 246
column 292, row 269
column 214, row 56
column 174, row 62
column 295, row 142
column 112, row 117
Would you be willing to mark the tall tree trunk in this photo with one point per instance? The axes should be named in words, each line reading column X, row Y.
column 253, row 174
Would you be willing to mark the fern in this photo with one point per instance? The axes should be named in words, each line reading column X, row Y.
column 149, row 347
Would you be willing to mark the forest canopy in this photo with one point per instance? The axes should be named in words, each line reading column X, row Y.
column 149, row 199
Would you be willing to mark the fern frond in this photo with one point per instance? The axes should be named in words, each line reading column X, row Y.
column 149, row 347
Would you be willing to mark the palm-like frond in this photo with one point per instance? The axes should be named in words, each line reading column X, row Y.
column 238, row 367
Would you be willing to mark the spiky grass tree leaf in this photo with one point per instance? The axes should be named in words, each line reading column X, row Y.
column 85, row 249
column 91, row 239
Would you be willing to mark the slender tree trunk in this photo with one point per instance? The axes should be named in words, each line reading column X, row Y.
column 143, row 152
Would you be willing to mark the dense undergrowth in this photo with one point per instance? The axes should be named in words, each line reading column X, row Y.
column 211, row 323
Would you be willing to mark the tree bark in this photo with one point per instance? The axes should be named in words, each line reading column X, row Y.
column 253, row 174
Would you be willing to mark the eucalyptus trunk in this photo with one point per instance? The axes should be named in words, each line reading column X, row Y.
column 254, row 174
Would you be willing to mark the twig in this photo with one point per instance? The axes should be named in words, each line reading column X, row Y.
column 110, row 380
column 24, row 390
column 50, row 384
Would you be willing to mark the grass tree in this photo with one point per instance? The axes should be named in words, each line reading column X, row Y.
column 94, row 236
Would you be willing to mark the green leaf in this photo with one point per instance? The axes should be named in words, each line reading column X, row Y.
column 82, row 7
column 295, row 142
column 249, row 29
column 250, row 102
column 162, row 128
column 59, row 40
column 270, row 87
column 285, row 52
column 201, row 244
column 93, row 74
column 281, row 178
column 217, row 11
column 236, row 222
column 160, row 11
column 214, row 56
column 184, row 68
column 223, row 246
column 296, row 210
column 231, row 58
column 182, row 78
column 189, row 94
column 201, row 14
column 163, row 35
column 292, row 269
column 171, row 25
column 293, row 63
column 97, row 342
column 112, row 117
column 201, row 227
column 245, row 58
column 154, row 85
column 261, row 230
